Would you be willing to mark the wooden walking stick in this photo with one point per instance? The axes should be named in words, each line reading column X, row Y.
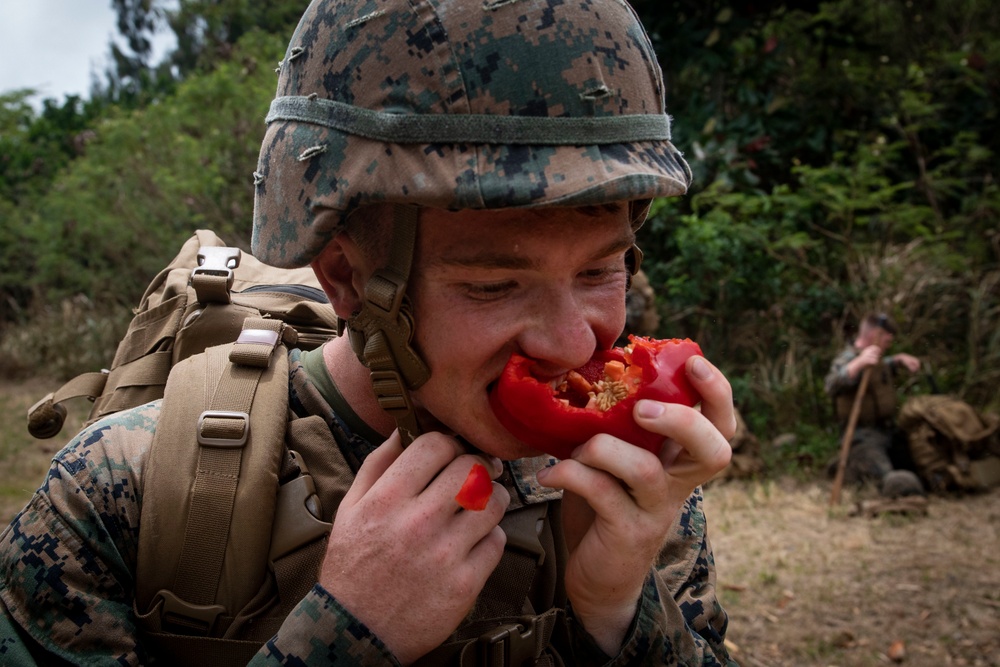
column 845, row 444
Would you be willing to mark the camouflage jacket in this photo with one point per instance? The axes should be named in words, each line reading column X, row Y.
column 69, row 560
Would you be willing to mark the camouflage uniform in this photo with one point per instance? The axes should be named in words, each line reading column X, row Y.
column 69, row 560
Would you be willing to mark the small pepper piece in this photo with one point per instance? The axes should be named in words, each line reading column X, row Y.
column 477, row 489
column 557, row 416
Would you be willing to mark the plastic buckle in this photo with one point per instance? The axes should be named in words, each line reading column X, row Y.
column 207, row 441
column 184, row 618
column 215, row 262
column 295, row 515
column 511, row 645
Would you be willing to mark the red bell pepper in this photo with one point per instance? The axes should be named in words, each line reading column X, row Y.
column 559, row 415
column 476, row 490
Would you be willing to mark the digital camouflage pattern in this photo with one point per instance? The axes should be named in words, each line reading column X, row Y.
column 68, row 566
column 460, row 105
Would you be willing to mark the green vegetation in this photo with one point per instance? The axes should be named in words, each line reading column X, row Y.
column 845, row 158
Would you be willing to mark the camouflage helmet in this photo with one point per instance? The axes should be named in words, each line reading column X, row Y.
column 459, row 104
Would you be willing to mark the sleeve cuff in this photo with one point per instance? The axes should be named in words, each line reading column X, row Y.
column 320, row 631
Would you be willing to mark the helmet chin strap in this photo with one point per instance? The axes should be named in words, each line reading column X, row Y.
column 381, row 333
column 638, row 210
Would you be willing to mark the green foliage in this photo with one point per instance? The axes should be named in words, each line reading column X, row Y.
column 207, row 30
column 206, row 33
column 63, row 339
column 149, row 179
column 845, row 161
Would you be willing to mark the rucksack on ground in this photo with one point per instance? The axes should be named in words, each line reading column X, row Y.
column 946, row 437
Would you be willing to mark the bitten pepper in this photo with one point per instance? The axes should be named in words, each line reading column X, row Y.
column 559, row 415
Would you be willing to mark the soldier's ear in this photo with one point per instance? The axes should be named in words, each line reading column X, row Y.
column 342, row 270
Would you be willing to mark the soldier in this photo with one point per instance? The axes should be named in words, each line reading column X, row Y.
column 878, row 407
column 466, row 180
column 877, row 446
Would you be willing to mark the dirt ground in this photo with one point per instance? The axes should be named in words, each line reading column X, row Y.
column 810, row 585
column 805, row 585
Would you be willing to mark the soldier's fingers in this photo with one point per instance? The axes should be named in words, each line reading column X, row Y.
column 374, row 467
column 716, row 394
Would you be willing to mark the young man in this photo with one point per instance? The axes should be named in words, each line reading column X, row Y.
column 466, row 180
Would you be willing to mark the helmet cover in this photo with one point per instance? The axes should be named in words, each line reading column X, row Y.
column 459, row 104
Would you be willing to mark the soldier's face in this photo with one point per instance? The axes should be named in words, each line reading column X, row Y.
column 882, row 338
column 549, row 284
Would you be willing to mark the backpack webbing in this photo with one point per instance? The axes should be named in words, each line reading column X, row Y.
column 209, row 499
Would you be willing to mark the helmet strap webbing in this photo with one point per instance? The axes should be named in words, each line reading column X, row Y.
column 381, row 333
column 638, row 210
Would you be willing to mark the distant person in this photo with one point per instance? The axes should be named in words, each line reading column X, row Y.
column 878, row 407
column 878, row 447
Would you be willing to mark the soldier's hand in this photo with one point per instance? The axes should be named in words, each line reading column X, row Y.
column 620, row 501
column 869, row 356
column 402, row 557
column 910, row 362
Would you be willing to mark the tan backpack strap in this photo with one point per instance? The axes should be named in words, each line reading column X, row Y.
column 222, row 432
column 232, row 450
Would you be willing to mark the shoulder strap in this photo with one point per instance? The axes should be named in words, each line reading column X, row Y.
column 210, row 482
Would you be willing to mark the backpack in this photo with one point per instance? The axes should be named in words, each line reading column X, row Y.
column 945, row 436
column 180, row 340
column 199, row 300
column 239, row 494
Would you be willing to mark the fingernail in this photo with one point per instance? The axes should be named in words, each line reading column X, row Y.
column 700, row 369
column 497, row 464
column 649, row 409
column 542, row 474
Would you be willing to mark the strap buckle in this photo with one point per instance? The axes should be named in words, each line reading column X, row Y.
column 215, row 265
column 297, row 513
column 184, row 618
column 511, row 645
column 223, row 434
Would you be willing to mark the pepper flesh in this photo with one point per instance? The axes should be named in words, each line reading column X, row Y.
column 477, row 489
column 557, row 416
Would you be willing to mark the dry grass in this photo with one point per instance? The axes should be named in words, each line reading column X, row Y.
column 23, row 459
column 810, row 585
